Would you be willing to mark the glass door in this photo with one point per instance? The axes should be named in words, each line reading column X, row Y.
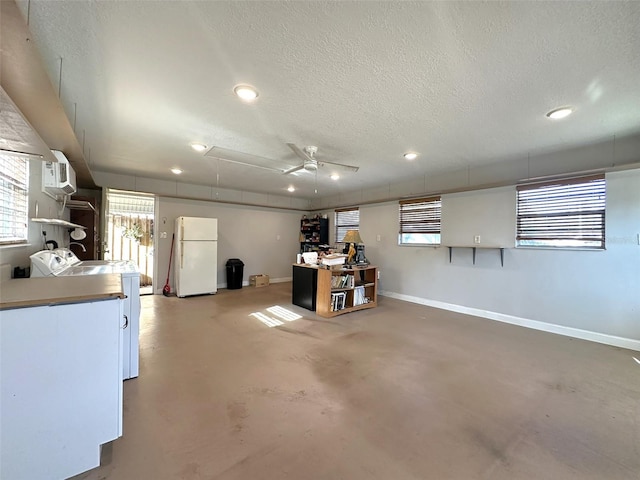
column 129, row 232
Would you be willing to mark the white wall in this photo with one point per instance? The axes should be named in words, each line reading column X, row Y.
column 491, row 216
column 615, row 151
column 244, row 232
column 595, row 291
column 18, row 256
column 179, row 189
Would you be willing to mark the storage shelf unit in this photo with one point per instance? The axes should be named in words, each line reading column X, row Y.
column 79, row 205
column 313, row 233
column 57, row 221
column 333, row 301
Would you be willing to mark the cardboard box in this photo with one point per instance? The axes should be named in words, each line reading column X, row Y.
column 260, row 280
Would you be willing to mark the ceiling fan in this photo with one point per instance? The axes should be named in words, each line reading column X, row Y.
column 309, row 161
column 307, row 155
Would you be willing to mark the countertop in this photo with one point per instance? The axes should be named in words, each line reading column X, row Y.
column 33, row 292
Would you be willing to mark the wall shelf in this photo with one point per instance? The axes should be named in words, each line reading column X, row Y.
column 474, row 247
column 79, row 205
column 56, row 222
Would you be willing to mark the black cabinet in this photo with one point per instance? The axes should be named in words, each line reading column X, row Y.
column 313, row 233
column 305, row 287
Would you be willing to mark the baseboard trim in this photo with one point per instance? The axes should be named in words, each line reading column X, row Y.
column 612, row 340
column 245, row 283
column 281, row 280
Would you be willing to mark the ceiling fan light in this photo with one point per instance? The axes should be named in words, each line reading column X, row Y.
column 246, row 92
column 310, row 166
column 335, row 176
column 176, row 171
column 410, row 155
column 291, row 188
column 199, row 147
column 559, row 113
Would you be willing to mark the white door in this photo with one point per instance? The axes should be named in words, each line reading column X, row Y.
column 197, row 228
column 197, row 268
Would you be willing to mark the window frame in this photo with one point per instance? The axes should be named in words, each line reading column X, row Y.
column 14, row 209
column 345, row 226
column 432, row 215
column 575, row 209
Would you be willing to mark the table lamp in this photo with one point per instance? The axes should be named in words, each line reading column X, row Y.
column 353, row 238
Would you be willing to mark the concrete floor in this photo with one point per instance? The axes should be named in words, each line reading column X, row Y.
column 398, row 392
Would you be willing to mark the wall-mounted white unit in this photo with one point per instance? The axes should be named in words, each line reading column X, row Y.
column 58, row 178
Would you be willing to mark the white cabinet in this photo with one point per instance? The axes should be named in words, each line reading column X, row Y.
column 131, row 288
column 61, row 387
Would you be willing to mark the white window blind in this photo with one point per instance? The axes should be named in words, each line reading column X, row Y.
column 420, row 221
column 567, row 213
column 130, row 204
column 14, row 189
column 346, row 219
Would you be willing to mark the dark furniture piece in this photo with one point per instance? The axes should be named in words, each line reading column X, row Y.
column 305, row 287
column 313, row 233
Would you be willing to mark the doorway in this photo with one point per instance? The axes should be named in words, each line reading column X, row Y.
column 129, row 232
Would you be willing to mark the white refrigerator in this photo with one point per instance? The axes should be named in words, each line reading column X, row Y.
column 196, row 256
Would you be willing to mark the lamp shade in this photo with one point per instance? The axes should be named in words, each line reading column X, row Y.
column 78, row 234
column 352, row 236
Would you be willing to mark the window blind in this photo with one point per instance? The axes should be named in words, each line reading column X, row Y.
column 14, row 189
column 127, row 204
column 346, row 219
column 568, row 213
column 421, row 215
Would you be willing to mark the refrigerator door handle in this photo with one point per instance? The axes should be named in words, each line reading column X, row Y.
column 181, row 254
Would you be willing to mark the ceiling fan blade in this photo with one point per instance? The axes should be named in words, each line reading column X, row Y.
column 341, row 165
column 301, row 153
column 294, row 169
column 246, row 164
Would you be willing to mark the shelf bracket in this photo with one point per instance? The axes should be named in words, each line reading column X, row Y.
column 473, row 250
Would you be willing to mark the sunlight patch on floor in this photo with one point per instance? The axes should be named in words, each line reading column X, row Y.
column 282, row 312
column 276, row 316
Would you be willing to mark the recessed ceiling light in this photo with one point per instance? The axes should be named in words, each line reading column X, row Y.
column 335, row 176
column 246, row 92
column 198, row 147
column 291, row 189
column 176, row 171
column 559, row 113
column 410, row 155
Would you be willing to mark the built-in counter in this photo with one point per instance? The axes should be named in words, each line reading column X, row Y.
column 61, row 375
column 31, row 292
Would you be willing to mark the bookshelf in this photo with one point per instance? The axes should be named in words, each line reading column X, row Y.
column 313, row 233
column 346, row 290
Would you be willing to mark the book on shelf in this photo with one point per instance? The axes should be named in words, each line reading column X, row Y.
column 342, row 281
column 358, row 296
column 333, row 259
column 338, row 301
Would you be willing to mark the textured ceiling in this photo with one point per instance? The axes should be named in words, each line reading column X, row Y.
column 462, row 83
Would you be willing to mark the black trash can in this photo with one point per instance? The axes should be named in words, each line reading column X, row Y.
column 235, row 270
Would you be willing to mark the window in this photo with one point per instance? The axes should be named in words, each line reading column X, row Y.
column 14, row 189
column 346, row 219
column 566, row 213
column 420, row 221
